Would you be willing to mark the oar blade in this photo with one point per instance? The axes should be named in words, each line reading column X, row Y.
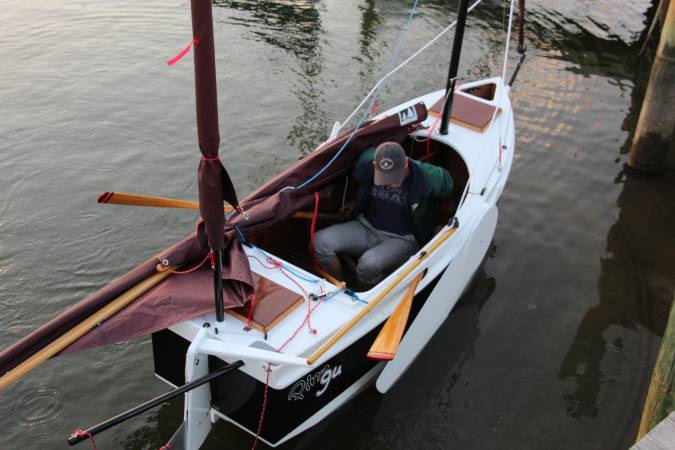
column 385, row 345
column 124, row 198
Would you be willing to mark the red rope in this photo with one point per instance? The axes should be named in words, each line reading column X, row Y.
column 297, row 330
column 312, row 229
column 310, row 309
column 80, row 433
column 166, row 447
column 264, row 407
column 250, row 311
column 431, row 130
column 185, row 272
column 500, row 154
column 184, row 52
column 277, row 265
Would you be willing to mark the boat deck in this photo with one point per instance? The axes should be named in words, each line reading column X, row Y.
column 325, row 307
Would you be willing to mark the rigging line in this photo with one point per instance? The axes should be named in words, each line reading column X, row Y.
column 508, row 41
column 400, row 66
column 502, row 88
column 497, row 162
column 363, row 118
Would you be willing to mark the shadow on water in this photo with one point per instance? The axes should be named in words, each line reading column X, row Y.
column 637, row 279
column 294, row 27
column 635, row 289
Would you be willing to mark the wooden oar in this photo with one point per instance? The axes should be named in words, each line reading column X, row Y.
column 124, row 198
column 421, row 256
column 82, row 328
column 331, row 278
column 385, row 345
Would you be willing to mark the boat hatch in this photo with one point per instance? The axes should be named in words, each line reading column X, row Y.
column 467, row 110
column 485, row 91
column 272, row 302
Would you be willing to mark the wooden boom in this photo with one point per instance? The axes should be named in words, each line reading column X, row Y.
column 82, row 328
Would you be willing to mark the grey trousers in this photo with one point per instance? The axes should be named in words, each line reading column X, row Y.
column 378, row 252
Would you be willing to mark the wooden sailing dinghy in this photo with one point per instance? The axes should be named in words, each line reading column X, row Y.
column 287, row 345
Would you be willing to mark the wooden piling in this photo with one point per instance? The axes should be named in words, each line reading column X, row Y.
column 655, row 132
column 661, row 395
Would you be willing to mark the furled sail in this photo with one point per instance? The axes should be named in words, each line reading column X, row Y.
column 181, row 297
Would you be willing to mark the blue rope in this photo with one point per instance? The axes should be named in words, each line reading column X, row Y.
column 286, row 268
column 241, row 235
column 364, row 116
column 352, row 295
column 316, row 279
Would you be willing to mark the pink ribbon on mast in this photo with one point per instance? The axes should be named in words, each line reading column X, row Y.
column 180, row 56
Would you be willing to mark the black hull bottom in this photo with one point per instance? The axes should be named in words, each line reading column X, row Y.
column 239, row 396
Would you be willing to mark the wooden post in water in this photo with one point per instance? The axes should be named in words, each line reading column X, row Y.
column 655, row 132
column 660, row 399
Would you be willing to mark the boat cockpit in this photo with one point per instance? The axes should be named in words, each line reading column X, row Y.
column 290, row 240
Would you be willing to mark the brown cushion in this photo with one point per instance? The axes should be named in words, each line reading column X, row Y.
column 272, row 303
column 466, row 111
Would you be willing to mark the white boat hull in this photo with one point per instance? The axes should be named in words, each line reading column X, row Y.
column 300, row 395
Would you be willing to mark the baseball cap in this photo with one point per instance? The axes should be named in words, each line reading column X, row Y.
column 389, row 164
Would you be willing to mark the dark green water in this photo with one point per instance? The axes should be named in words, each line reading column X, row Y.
column 551, row 348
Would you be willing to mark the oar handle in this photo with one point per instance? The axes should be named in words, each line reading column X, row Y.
column 125, row 198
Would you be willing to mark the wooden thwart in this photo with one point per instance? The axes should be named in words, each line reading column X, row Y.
column 385, row 345
column 273, row 302
column 82, row 328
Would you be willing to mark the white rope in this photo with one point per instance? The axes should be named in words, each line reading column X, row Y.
column 410, row 58
column 508, row 41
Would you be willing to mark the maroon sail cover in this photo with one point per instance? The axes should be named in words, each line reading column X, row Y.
column 181, row 297
column 213, row 181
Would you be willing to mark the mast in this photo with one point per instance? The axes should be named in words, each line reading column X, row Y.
column 454, row 64
column 214, row 183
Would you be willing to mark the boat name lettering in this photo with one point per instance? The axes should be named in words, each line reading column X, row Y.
column 322, row 377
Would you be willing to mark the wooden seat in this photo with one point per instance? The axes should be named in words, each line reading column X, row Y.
column 467, row 112
column 272, row 303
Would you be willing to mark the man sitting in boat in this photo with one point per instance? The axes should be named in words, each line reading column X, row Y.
column 396, row 206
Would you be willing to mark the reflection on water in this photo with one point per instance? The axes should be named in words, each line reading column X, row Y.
column 295, row 27
column 368, row 51
column 158, row 427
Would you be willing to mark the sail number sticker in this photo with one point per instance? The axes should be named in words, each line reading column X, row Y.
column 408, row 115
column 320, row 379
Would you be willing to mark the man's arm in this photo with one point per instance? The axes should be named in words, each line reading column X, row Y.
column 439, row 179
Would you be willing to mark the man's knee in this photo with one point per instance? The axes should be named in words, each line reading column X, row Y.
column 369, row 269
column 324, row 244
